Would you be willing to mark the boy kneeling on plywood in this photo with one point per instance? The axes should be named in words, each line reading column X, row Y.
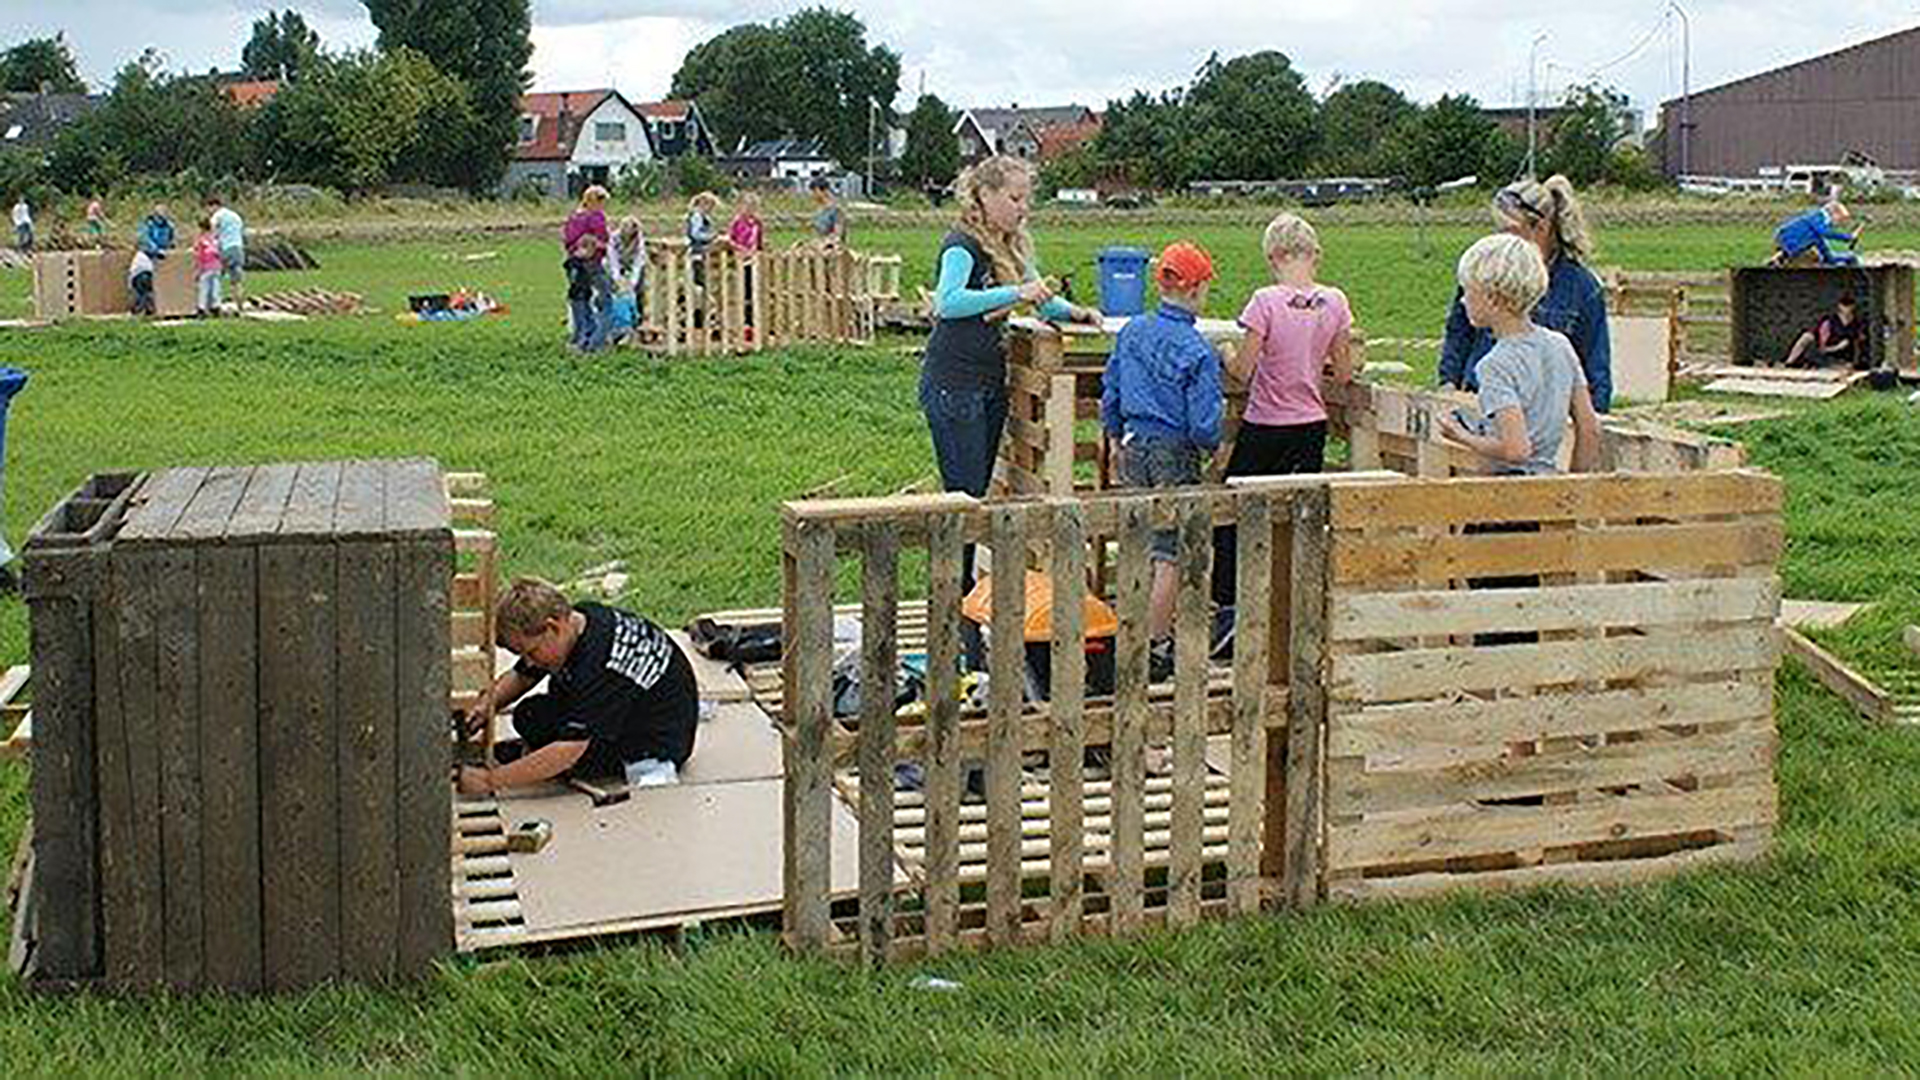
column 620, row 700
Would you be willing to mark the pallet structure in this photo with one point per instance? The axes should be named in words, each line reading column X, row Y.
column 72, row 284
column 1696, row 305
column 306, row 302
column 1772, row 306
column 726, row 301
column 241, row 742
column 1367, row 738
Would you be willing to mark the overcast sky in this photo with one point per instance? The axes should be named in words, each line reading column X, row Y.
column 992, row 52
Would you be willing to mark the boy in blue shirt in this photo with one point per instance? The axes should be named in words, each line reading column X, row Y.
column 1802, row 240
column 1161, row 406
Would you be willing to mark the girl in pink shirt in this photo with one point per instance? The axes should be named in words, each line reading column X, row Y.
column 748, row 237
column 206, row 269
column 1296, row 334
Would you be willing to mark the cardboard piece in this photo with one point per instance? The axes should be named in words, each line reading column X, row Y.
column 1642, row 357
column 682, row 850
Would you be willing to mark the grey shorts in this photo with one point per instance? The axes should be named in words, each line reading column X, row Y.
column 233, row 263
column 1152, row 463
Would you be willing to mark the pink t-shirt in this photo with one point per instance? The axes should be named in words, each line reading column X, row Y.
column 206, row 253
column 745, row 233
column 1297, row 328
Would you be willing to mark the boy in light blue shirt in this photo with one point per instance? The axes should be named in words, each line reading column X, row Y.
column 231, row 234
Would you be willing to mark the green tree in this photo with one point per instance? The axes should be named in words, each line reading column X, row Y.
column 153, row 123
column 1450, row 139
column 485, row 44
column 1358, row 123
column 810, row 75
column 1251, row 118
column 40, row 63
column 364, row 119
column 282, row 46
column 1592, row 121
column 932, row 156
column 1144, row 140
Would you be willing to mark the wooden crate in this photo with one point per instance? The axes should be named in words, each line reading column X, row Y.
column 749, row 303
column 70, row 284
column 1549, row 679
column 1772, row 306
column 1058, row 850
column 269, row 674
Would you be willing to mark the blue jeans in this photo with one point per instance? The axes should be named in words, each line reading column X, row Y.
column 966, row 423
column 590, row 322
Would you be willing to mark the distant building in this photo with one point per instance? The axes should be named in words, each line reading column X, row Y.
column 250, row 93
column 33, row 120
column 1014, row 130
column 677, row 128
column 569, row 140
column 1861, row 101
column 779, row 161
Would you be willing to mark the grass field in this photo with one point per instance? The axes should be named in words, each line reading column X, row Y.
column 1805, row 963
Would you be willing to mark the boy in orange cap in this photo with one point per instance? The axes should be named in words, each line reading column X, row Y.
column 1160, row 404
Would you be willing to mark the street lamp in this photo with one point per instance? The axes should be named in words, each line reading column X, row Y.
column 1686, row 88
column 1533, row 66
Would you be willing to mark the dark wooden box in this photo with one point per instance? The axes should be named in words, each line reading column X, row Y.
column 255, row 793
column 1772, row 306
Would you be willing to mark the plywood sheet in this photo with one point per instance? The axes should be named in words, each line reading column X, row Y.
column 1786, row 388
column 1642, row 357
column 685, row 849
column 738, row 742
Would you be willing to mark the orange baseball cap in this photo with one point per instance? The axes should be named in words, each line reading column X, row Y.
column 1184, row 265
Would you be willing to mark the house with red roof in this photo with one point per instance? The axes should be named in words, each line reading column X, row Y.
column 571, row 139
column 677, row 128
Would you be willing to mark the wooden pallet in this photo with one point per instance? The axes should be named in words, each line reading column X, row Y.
column 306, row 302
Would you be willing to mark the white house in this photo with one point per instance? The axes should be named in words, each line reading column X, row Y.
column 572, row 139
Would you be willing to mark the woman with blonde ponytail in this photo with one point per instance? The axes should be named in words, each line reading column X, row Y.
column 1548, row 214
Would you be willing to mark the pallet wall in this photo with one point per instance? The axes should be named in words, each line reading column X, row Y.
column 1079, row 845
column 744, row 302
column 1549, row 679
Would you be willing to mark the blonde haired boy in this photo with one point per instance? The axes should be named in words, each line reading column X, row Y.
column 1530, row 381
column 620, row 694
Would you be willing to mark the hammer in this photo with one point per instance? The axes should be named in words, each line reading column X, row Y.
column 601, row 796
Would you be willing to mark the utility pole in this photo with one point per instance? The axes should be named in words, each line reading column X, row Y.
column 1686, row 88
column 1533, row 71
column 873, row 107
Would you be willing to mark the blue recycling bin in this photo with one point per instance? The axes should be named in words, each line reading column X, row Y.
column 1123, row 280
column 11, row 380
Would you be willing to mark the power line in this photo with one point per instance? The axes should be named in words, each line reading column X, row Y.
column 1645, row 40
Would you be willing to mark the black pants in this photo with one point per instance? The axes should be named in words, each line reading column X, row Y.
column 1261, row 450
column 665, row 733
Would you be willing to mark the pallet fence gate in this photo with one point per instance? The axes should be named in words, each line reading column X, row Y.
column 746, row 303
column 1077, row 845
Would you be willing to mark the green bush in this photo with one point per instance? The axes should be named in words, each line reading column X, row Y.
column 692, row 174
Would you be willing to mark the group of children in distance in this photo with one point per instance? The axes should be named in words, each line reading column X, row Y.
column 1161, row 405
column 607, row 271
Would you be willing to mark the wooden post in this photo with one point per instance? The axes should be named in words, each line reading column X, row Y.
column 1306, row 697
column 1066, row 713
column 809, row 708
column 673, row 300
column 1059, row 429
column 943, row 734
column 1254, row 523
column 1192, row 636
column 1006, row 661
column 879, row 618
column 1134, row 575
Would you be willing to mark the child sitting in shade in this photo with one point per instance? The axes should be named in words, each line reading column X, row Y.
column 1531, row 383
column 620, row 700
column 1161, row 406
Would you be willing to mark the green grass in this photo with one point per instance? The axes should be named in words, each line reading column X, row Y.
column 1803, row 963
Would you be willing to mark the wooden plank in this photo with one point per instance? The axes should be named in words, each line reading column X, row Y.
column 1866, row 698
column 421, row 567
column 1454, row 729
column 154, row 510
column 1253, row 568
column 880, row 599
column 310, row 507
column 1415, row 673
column 1358, row 790
column 1133, row 580
column 368, row 674
column 263, row 503
column 1481, row 830
column 1804, row 615
column 1006, row 663
column 67, row 794
column 1193, row 631
column 1778, row 388
column 1543, row 498
column 229, row 767
column 138, row 958
column 1066, row 715
column 1612, row 872
column 208, row 513
column 1307, row 699
column 1442, row 556
column 177, row 704
column 299, row 787
column 1059, row 421
column 809, row 707
column 1361, row 616
column 943, row 719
